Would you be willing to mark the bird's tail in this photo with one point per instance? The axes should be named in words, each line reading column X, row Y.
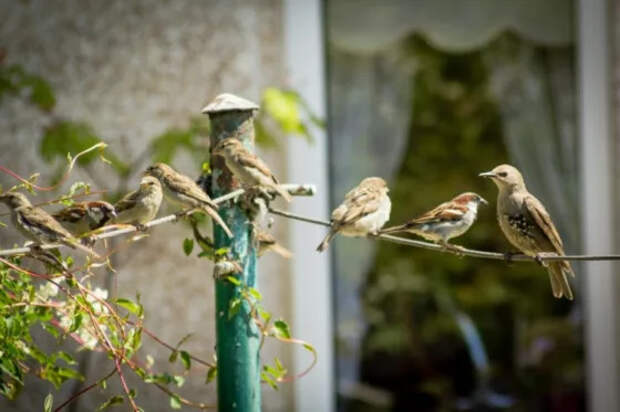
column 218, row 219
column 396, row 229
column 75, row 244
column 558, row 274
column 281, row 250
column 283, row 192
column 325, row 243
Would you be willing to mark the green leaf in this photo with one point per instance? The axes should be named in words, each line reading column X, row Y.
column 255, row 294
column 282, row 329
column 165, row 146
column 211, row 374
column 233, row 309
column 114, row 400
column 186, row 359
column 266, row 378
column 132, row 307
column 178, row 380
column 48, row 403
column 188, row 246
column 73, row 137
column 266, row 315
column 233, row 280
column 222, row 251
column 175, row 402
column 77, row 322
column 173, row 356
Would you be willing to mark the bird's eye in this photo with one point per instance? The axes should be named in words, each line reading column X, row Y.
column 502, row 174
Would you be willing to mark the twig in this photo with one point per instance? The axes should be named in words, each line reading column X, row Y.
column 460, row 251
column 84, row 390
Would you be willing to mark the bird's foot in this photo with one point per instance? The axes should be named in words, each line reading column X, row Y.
column 508, row 257
column 458, row 250
column 373, row 234
column 141, row 228
column 539, row 257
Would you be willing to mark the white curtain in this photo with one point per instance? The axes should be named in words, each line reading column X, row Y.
column 371, row 88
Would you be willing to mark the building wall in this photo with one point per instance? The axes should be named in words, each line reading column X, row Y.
column 133, row 70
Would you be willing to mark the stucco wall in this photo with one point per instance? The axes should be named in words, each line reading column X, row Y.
column 132, row 69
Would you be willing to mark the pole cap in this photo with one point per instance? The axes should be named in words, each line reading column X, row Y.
column 228, row 102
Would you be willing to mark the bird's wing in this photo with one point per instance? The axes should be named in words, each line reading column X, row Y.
column 358, row 205
column 543, row 220
column 42, row 221
column 249, row 160
column 71, row 214
column 127, row 202
column 447, row 211
column 182, row 184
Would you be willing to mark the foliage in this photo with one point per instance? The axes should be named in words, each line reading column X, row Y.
column 14, row 80
column 410, row 302
column 65, row 301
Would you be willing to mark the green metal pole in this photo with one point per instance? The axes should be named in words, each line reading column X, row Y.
column 238, row 368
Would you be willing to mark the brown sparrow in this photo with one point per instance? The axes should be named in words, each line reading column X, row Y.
column 183, row 191
column 38, row 225
column 85, row 216
column 141, row 206
column 267, row 243
column 446, row 221
column 364, row 211
column 248, row 168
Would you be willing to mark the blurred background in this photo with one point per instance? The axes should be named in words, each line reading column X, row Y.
column 426, row 94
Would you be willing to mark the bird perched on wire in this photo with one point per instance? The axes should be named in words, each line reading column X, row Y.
column 268, row 243
column 248, row 168
column 183, row 191
column 38, row 225
column 140, row 206
column 446, row 221
column 528, row 226
column 364, row 211
column 83, row 217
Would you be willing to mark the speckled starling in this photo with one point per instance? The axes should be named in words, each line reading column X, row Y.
column 528, row 226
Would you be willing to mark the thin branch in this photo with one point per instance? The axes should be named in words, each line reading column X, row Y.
column 84, row 390
column 293, row 189
column 459, row 250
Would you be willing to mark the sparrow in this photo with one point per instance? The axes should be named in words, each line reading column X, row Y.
column 140, row 206
column 527, row 225
column 38, row 225
column 267, row 243
column 85, row 216
column 183, row 191
column 364, row 211
column 446, row 221
column 248, row 168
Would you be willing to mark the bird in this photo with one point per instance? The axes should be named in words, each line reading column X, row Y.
column 140, row 206
column 38, row 225
column 527, row 226
column 182, row 190
column 267, row 243
column 248, row 168
column 83, row 217
column 446, row 221
column 364, row 211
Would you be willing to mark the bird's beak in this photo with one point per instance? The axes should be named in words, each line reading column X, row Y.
column 113, row 213
column 484, row 202
column 488, row 174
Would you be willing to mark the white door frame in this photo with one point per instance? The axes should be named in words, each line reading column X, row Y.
column 308, row 163
column 597, row 162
